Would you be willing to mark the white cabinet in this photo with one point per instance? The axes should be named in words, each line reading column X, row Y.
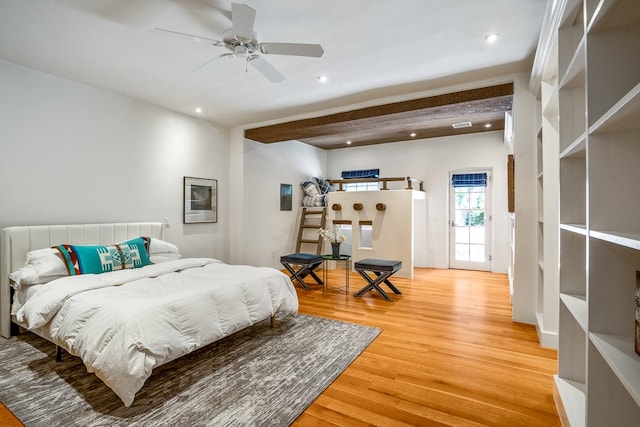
column 598, row 381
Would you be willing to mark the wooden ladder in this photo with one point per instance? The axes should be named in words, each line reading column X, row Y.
column 311, row 220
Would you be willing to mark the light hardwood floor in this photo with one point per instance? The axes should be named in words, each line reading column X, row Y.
column 449, row 354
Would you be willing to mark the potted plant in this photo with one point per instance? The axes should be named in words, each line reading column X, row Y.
column 335, row 236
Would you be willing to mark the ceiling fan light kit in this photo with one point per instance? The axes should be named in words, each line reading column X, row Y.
column 242, row 42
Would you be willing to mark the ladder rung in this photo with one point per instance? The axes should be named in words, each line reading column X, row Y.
column 308, row 241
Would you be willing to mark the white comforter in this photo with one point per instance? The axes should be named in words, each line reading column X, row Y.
column 125, row 323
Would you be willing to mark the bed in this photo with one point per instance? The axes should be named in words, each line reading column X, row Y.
column 124, row 323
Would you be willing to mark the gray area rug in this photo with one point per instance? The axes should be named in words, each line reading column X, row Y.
column 261, row 376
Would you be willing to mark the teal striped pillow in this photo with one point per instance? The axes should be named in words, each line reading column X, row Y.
column 101, row 259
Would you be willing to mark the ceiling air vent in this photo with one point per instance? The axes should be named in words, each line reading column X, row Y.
column 461, row 125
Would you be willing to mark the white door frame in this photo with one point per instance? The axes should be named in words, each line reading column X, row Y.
column 488, row 225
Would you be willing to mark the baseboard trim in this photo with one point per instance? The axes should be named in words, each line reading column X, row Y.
column 562, row 413
column 547, row 339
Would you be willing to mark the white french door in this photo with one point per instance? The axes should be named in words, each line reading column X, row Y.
column 470, row 220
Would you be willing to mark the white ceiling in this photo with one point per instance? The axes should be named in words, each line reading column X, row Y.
column 373, row 48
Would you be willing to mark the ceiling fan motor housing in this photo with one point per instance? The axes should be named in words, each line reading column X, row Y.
column 239, row 46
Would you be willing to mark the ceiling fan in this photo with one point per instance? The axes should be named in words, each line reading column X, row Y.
column 241, row 41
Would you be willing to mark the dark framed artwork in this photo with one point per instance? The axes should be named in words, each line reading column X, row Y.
column 286, row 196
column 511, row 175
column 200, row 200
column 637, row 301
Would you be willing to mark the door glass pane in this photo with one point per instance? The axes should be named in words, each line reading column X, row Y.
column 462, row 218
column 462, row 199
column 476, row 201
column 462, row 234
column 476, row 253
column 462, row 252
column 476, row 217
column 476, row 235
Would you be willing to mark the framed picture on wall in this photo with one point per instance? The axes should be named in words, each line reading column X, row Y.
column 511, row 176
column 200, row 200
column 637, row 300
column 286, row 192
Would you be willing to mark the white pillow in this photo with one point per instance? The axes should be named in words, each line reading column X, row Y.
column 47, row 262
column 158, row 246
column 42, row 266
column 28, row 275
column 161, row 251
column 158, row 258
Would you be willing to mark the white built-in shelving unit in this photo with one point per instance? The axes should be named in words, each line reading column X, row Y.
column 547, row 162
column 598, row 94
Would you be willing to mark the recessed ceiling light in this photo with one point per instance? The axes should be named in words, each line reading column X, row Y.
column 348, row 142
column 198, row 110
column 412, row 134
column 322, row 78
column 491, row 38
column 488, row 125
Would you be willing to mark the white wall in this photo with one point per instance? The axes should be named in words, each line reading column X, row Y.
column 431, row 160
column 268, row 231
column 71, row 153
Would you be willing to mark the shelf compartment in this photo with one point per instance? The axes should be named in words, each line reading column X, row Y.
column 577, row 306
column 539, row 148
column 607, row 14
column 614, row 69
column 573, row 124
column 572, row 106
column 612, row 283
column 614, row 375
column 572, row 347
column 623, row 116
column 573, row 189
column 570, row 36
column 572, row 263
column 576, row 148
column 575, row 73
column 613, row 183
column 619, row 354
column 540, row 191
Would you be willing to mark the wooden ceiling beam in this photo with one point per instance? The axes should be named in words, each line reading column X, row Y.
column 405, row 113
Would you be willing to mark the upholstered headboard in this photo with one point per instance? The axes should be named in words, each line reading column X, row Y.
column 15, row 242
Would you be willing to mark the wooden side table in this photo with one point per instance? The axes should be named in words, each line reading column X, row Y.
column 347, row 269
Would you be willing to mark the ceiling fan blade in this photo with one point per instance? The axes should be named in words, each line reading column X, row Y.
column 214, row 62
column 188, row 36
column 267, row 70
column 243, row 18
column 297, row 49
